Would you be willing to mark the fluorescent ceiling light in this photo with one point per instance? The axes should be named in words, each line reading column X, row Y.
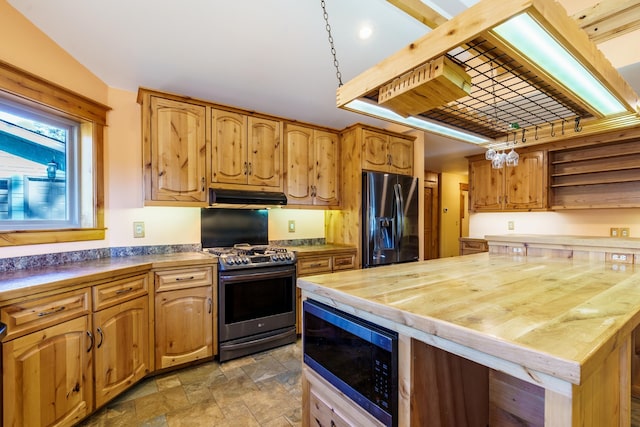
column 534, row 42
column 411, row 121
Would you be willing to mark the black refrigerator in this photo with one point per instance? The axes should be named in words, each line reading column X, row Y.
column 390, row 219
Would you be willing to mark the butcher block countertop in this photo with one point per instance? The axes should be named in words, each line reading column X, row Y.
column 31, row 281
column 550, row 316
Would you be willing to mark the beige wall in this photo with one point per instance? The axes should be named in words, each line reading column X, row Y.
column 591, row 222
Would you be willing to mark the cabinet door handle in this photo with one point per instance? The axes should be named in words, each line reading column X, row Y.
column 202, row 183
column 210, row 305
column 389, row 161
column 101, row 338
column 90, row 335
column 124, row 291
column 250, row 169
column 179, row 279
column 54, row 311
column 246, row 168
column 317, row 264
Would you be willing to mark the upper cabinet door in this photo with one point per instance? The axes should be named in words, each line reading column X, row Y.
column 229, row 154
column 326, row 170
column 525, row 184
column 299, row 155
column 375, row 151
column 264, row 152
column 400, row 156
column 486, row 186
column 177, row 151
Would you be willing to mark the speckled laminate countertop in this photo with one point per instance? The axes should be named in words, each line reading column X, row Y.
column 29, row 282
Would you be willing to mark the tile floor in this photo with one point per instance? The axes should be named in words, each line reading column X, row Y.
column 258, row 390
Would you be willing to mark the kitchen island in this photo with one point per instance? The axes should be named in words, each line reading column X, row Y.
column 501, row 339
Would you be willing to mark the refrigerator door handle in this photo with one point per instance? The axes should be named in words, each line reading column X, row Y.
column 397, row 189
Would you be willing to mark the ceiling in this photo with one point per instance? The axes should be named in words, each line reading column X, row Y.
column 268, row 56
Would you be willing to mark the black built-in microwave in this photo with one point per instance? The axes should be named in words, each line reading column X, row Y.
column 358, row 357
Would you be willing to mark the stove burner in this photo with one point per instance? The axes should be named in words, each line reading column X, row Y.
column 247, row 256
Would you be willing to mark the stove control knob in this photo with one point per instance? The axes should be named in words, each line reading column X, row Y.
column 245, row 260
column 288, row 256
column 229, row 261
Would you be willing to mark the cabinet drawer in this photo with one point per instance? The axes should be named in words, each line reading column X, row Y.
column 314, row 265
column 119, row 291
column 32, row 315
column 344, row 262
column 168, row 280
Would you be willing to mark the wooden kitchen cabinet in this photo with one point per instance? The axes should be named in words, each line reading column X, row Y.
column 121, row 331
column 313, row 172
column 174, row 151
column 185, row 316
column 518, row 188
column 316, row 262
column 246, row 152
column 386, row 153
column 53, row 364
column 121, row 348
column 325, row 405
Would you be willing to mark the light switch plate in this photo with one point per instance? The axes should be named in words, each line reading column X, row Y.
column 292, row 226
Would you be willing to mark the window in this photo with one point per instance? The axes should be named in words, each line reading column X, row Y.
column 38, row 169
column 51, row 187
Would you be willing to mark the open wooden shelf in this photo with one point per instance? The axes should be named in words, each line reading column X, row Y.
column 599, row 176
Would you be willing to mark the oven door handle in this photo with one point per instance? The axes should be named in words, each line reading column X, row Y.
column 251, row 343
column 243, row 275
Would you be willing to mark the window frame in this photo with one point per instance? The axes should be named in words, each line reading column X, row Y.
column 49, row 97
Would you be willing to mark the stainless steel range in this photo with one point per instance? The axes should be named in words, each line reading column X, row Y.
column 256, row 284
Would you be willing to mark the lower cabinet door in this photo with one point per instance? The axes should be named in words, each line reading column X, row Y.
column 121, row 347
column 47, row 376
column 184, row 326
column 324, row 405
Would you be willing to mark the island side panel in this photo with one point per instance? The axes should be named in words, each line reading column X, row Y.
column 601, row 399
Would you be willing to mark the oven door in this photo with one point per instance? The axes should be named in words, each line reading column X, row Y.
column 256, row 302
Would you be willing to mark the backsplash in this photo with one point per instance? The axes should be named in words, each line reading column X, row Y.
column 299, row 242
column 45, row 260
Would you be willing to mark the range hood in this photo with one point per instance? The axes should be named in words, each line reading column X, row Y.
column 242, row 198
column 478, row 74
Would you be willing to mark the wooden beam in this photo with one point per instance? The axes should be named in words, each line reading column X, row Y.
column 609, row 19
column 420, row 11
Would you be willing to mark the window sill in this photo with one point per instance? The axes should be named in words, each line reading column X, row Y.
column 35, row 237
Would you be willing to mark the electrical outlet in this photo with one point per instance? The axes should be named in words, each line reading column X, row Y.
column 614, row 232
column 292, row 226
column 138, row 229
column 510, row 225
column 624, row 232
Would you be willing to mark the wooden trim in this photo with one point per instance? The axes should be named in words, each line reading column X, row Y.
column 420, row 11
column 608, row 19
column 93, row 118
column 29, row 237
column 45, row 93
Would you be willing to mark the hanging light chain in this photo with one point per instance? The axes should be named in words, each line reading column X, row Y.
column 333, row 49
